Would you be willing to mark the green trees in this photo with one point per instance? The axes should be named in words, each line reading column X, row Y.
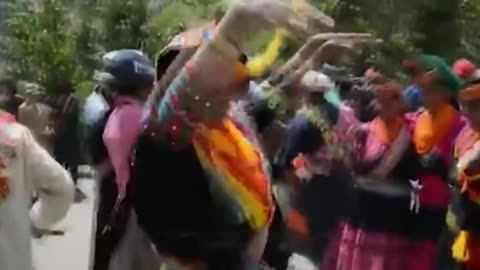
column 51, row 39
column 45, row 42
column 446, row 28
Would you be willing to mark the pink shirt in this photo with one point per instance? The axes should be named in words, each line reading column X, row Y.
column 121, row 133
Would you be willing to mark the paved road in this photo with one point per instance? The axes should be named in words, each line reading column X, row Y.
column 71, row 251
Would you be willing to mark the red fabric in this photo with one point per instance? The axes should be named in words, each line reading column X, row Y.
column 368, row 250
column 331, row 254
column 473, row 245
column 297, row 223
column 435, row 192
column 464, row 68
column 422, row 256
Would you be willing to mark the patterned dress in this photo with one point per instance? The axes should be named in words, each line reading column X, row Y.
column 213, row 201
column 312, row 219
column 466, row 249
column 378, row 227
column 434, row 137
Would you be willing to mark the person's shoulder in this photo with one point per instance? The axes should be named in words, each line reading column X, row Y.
column 301, row 123
column 12, row 133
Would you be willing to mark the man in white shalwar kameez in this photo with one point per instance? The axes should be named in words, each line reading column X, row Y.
column 25, row 167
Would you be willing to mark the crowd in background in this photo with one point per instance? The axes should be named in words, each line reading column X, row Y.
column 216, row 160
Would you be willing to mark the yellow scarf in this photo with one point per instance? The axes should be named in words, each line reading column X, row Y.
column 227, row 154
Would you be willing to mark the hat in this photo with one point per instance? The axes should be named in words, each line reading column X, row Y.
column 448, row 79
column 464, row 68
column 33, row 89
column 315, row 81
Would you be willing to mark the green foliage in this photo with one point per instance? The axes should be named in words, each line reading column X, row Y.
column 44, row 45
column 446, row 28
column 121, row 24
column 47, row 40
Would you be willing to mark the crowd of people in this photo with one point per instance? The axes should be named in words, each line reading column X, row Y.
column 212, row 159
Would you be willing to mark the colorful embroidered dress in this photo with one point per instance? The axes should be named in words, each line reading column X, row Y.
column 25, row 167
column 378, row 227
column 466, row 249
column 311, row 149
column 433, row 137
column 217, row 195
column 435, row 130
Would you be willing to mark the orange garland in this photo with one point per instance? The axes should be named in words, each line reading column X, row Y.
column 430, row 129
column 386, row 132
column 470, row 94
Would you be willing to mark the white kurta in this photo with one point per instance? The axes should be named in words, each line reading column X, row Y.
column 30, row 169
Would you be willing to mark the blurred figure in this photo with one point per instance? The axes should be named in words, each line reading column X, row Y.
column 26, row 168
column 97, row 103
column 464, row 69
column 377, row 229
column 413, row 93
column 466, row 247
column 36, row 116
column 120, row 244
column 66, row 119
column 435, row 130
column 9, row 100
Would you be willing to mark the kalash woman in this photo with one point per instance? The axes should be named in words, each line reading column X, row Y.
column 378, row 228
column 211, row 204
column 310, row 158
column 466, row 249
column 277, row 102
column 434, row 132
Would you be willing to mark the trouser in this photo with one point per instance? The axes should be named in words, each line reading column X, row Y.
column 105, row 244
column 276, row 252
column 134, row 251
column 66, row 152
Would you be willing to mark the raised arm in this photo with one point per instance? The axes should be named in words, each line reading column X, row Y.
column 201, row 89
column 315, row 42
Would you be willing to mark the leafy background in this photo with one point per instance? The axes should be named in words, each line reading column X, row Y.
column 46, row 40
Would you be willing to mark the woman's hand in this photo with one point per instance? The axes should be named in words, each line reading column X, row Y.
column 251, row 17
column 334, row 49
column 316, row 41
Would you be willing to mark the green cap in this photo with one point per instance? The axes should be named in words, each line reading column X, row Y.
column 449, row 80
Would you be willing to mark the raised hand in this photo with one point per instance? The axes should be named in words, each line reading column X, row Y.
column 332, row 50
column 250, row 17
column 316, row 41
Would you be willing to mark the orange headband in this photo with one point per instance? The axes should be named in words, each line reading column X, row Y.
column 470, row 93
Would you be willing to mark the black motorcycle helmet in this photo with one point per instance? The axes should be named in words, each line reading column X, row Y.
column 126, row 71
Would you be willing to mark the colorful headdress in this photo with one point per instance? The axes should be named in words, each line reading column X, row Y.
column 191, row 39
